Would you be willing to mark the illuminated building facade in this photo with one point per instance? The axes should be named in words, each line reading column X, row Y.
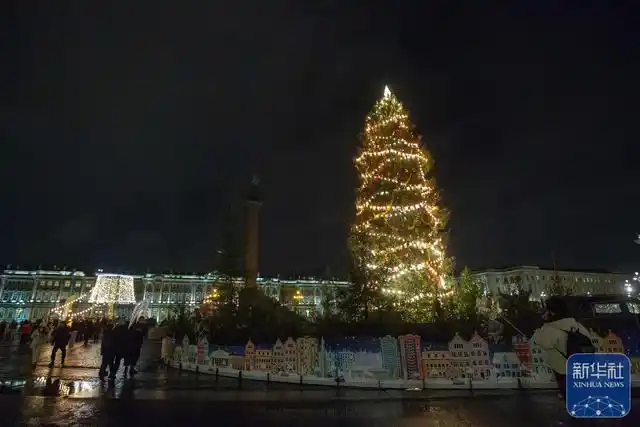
column 538, row 280
column 31, row 295
column 26, row 295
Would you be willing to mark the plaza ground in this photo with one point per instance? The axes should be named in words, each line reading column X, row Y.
column 73, row 396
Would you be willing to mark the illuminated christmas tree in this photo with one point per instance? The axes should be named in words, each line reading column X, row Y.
column 398, row 233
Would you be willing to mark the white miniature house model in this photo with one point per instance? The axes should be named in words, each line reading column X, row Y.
column 219, row 359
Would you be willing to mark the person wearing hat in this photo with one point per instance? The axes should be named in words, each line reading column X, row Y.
column 554, row 335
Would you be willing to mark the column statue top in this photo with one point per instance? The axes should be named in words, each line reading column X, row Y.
column 254, row 195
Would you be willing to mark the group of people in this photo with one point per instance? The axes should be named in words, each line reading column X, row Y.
column 17, row 332
column 36, row 332
column 64, row 334
column 121, row 343
column 31, row 333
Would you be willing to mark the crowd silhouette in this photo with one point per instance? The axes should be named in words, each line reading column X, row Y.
column 120, row 342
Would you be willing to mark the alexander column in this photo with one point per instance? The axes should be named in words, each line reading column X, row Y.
column 254, row 202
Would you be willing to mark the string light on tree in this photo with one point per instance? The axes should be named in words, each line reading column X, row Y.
column 59, row 310
column 213, row 297
column 210, row 301
column 398, row 233
column 81, row 312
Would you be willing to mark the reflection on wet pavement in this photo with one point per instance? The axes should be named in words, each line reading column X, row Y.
column 12, row 386
column 50, row 386
column 15, row 361
column 78, row 377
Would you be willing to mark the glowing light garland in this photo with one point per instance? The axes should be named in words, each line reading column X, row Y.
column 59, row 310
column 113, row 289
column 81, row 312
column 109, row 289
column 398, row 221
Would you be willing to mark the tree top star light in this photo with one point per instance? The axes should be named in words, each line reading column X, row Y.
column 399, row 229
column 112, row 289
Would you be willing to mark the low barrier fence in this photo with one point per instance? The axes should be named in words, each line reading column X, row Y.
column 373, row 363
column 396, row 384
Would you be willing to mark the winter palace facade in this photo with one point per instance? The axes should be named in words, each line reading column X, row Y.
column 537, row 279
column 33, row 294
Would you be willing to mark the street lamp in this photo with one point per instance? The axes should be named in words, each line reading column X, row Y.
column 628, row 288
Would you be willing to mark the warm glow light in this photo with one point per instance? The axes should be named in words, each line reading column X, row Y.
column 113, row 289
column 398, row 221
column 59, row 310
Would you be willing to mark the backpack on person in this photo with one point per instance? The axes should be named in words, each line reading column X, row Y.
column 578, row 343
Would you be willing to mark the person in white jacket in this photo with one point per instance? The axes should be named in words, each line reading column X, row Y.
column 552, row 338
column 38, row 337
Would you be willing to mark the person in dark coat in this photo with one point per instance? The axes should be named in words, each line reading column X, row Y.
column 3, row 328
column 88, row 331
column 107, row 351
column 59, row 341
column 121, row 344
column 136, row 336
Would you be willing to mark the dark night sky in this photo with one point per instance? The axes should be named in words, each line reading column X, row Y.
column 127, row 130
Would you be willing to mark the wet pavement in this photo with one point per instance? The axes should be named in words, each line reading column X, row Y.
column 169, row 409
column 72, row 395
column 16, row 360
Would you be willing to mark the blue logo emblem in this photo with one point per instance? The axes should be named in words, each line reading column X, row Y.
column 598, row 385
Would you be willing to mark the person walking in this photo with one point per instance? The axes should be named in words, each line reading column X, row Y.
column 38, row 337
column 11, row 333
column 60, row 340
column 107, row 351
column 73, row 336
column 3, row 328
column 120, row 340
column 136, row 337
column 25, row 332
column 88, row 331
column 560, row 337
